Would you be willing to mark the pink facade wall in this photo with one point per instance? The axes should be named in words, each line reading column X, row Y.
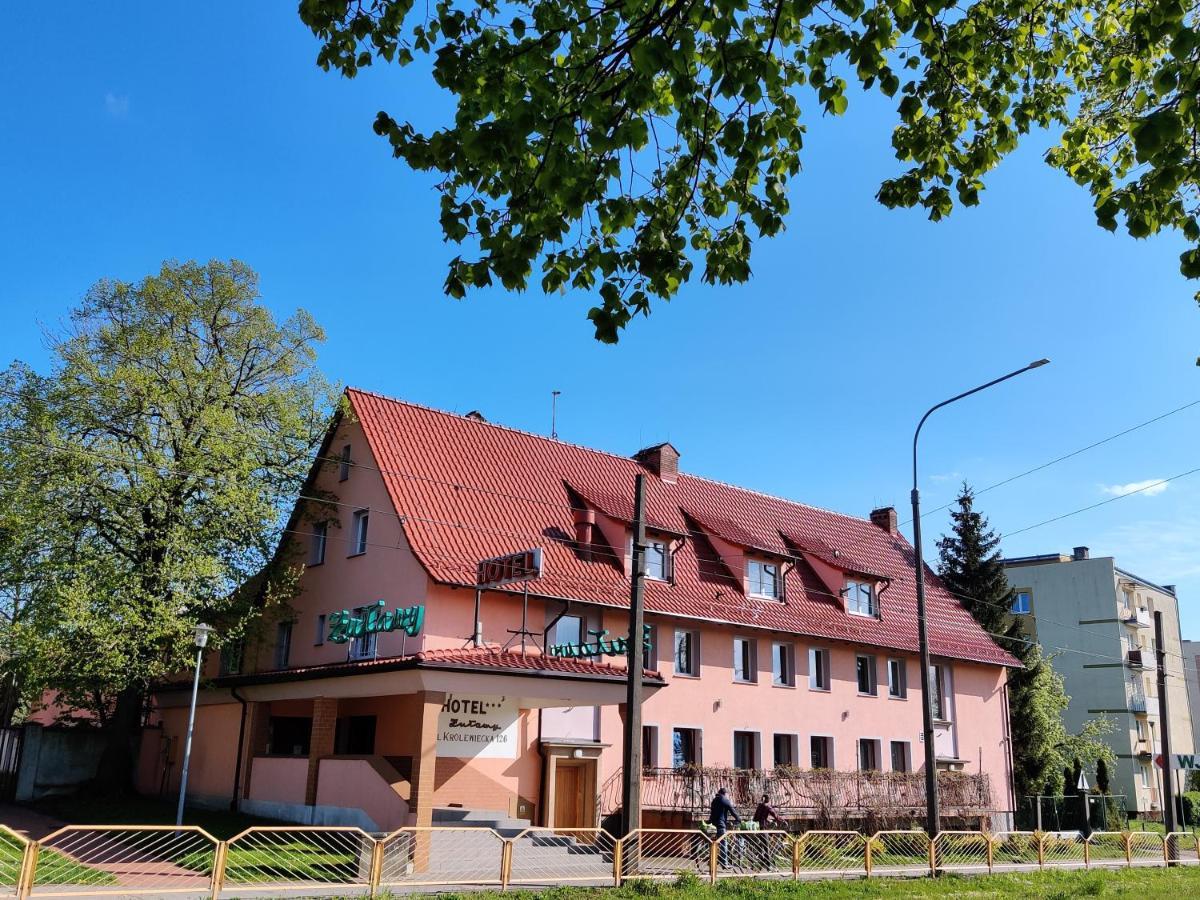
column 279, row 779
column 354, row 783
column 214, row 751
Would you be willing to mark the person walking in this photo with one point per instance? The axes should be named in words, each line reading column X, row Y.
column 764, row 815
column 719, row 812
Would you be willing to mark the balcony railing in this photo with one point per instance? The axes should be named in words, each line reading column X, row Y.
column 1139, row 659
column 1137, row 703
column 806, row 793
column 1139, row 618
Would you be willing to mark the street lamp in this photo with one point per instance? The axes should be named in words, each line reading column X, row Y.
column 201, row 636
column 932, row 812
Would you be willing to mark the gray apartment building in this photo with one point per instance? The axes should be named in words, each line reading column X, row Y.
column 1097, row 621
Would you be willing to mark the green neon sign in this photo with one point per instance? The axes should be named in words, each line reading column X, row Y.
column 345, row 625
column 600, row 646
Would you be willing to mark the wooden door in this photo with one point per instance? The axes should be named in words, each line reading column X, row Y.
column 568, row 796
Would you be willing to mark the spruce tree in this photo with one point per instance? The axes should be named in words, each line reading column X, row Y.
column 1102, row 784
column 969, row 567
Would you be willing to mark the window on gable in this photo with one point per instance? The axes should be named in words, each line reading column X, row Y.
column 763, row 579
column 316, row 550
column 344, row 464
column 658, row 560
column 861, row 599
column 283, row 644
column 358, row 536
column 1021, row 603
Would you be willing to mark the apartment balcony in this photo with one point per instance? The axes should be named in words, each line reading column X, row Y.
column 1139, row 659
column 1136, row 618
column 1137, row 703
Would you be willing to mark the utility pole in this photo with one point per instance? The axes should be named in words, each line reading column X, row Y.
column 631, row 773
column 554, row 413
column 1168, row 786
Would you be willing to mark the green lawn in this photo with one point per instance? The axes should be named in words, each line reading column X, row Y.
column 1142, row 884
column 83, row 809
column 57, row 866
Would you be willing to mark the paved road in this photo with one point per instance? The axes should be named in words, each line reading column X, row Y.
column 33, row 825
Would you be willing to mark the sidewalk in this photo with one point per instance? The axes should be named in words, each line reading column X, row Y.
column 33, row 825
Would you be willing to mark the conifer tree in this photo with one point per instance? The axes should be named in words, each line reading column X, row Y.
column 1102, row 783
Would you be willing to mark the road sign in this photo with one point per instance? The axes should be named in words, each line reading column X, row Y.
column 1082, row 784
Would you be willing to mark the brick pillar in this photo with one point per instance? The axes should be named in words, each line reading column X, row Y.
column 424, row 770
column 320, row 742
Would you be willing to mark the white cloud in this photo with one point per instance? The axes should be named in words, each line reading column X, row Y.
column 946, row 476
column 1150, row 487
column 117, row 105
column 1165, row 551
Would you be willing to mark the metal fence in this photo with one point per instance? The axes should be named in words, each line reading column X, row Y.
column 99, row 860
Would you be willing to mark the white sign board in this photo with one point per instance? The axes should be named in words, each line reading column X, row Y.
column 1186, row 761
column 477, row 725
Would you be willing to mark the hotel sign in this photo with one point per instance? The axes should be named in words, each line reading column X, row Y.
column 511, row 568
column 473, row 726
column 345, row 625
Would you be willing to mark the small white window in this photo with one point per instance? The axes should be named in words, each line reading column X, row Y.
column 316, row 550
column 283, row 644
column 867, row 677
column 1141, row 729
column 1022, row 603
column 897, row 679
column 763, row 578
column 359, row 536
column 937, row 692
column 868, row 755
column 319, row 637
column 658, row 560
column 745, row 660
column 1145, row 772
column 860, row 599
column 783, row 664
column 818, row 669
column 344, row 464
column 687, row 653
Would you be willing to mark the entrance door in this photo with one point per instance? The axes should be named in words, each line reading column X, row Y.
column 568, row 797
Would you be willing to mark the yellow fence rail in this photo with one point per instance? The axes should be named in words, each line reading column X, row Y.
column 128, row 860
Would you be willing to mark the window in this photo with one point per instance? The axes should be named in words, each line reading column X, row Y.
column 1145, row 773
column 1141, row 728
column 783, row 665
column 687, row 656
column 937, row 691
column 363, row 646
column 745, row 750
column 319, row 637
column 818, row 669
column 685, row 747
column 868, row 755
column 901, row 756
column 860, row 598
column 359, row 536
column 651, row 631
column 649, row 746
column 745, row 660
column 344, row 465
column 288, row 735
column 897, row 679
column 787, row 750
column 821, row 752
column 658, row 560
column 283, row 644
column 763, row 578
column 316, row 550
column 354, row 735
column 568, row 630
column 865, row 669
column 231, row 658
column 1021, row 603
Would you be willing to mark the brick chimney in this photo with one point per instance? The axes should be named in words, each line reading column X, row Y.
column 885, row 518
column 1080, row 553
column 585, row 524
column 662, row 460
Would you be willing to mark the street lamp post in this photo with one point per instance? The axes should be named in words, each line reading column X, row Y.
column 932, row 812
column 201, row 635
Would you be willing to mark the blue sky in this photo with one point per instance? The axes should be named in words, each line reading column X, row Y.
column 153, row 131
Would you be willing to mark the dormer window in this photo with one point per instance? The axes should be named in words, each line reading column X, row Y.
column 658, row 560
column 861, row 599
column 762, row 579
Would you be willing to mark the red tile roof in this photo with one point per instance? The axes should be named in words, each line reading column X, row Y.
column 470, row 658
column 470, row 490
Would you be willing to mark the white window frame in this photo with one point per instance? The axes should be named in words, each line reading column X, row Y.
column 693, row 671
column 756, row 572
column 747, row 657
column 941, row 702
column 820, row 669
column 907, row 745
column 318, row 543
column 699, row 733
column 558, row 638
column 828, row 743
column 897, row 686
column 360, row 528
column 793, row 744
column 365, row 646
column 1022, row 609
column 875, row 744
column 755, row 750
column 872, row 673
column 788, row 664
column 665, row 555
column 861, row 599
column 344, row 463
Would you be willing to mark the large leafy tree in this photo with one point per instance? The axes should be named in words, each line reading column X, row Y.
column 595, row 141
column 970, row 567
column 156, row 458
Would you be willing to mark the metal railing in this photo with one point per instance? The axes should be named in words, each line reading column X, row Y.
column 127, row 860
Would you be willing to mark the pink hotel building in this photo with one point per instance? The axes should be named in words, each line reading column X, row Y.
column 782, row 637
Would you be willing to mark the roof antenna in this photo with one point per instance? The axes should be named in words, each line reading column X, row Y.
column 554, row 413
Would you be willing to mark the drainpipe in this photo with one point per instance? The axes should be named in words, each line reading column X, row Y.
column 237, row 768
